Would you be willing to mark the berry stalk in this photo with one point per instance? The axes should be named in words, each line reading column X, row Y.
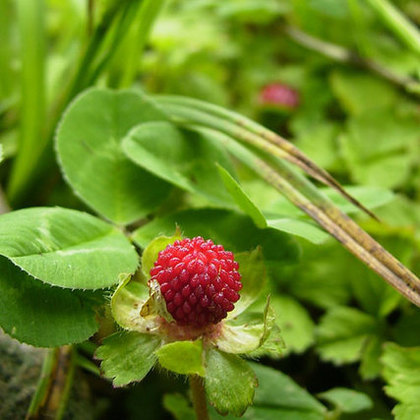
column 198, row 397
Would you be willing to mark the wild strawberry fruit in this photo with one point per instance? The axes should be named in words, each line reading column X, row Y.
column 279, row 95
column 198, row 280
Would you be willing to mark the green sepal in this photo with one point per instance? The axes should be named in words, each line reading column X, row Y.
column 229, row 382
column 183, row 357
column 128, row 356
column 273, row 347
column 150, row 253
column 155, row 305
column 249, row 333
column 252, row 269
column 126, row 304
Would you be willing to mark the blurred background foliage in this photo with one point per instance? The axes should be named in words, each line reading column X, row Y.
column 353, row 77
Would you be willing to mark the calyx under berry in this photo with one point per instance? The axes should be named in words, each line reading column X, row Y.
column 199, row 281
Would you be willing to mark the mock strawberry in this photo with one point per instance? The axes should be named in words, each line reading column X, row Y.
column 198, row 280
column 279, row 95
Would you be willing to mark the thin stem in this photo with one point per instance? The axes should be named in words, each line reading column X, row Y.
column 51, row 396
column 397, row 23
column 199, row 397
column 90, row 16
column 345, row 56
column 4, row 205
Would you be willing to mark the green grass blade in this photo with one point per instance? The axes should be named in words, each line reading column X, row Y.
column 32, row 141
column 148, row 14
column 257, row 135
column 397, row 23
column 301, row 192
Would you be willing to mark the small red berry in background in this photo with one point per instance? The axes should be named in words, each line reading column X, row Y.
column 279, row 95
column 198, row 280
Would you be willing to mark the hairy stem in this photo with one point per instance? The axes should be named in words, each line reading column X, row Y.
column 198, row 397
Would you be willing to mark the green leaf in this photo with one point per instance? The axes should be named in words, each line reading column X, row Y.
column 301, row 228
column 318, row 281
column 278, row 397
column 236, row 232
column 347, row 400
column 370, row 367
column 318, row 139
column 126, row 304
column 297, row 327
column 150, row 254
column 361, row 93
column 128, row 356
column 342, row 333
column 386, row 163
column 66, row 248
column 403, row 330
column 230, row 382
column 88, row 145
column 41, row 315
column 373, row 295
column 402, row 372
column 183, row 158
column 183, row 357
column 371, row 196
column 406, row 411
column 276, row 208
column 241, row 199
column 253, row 272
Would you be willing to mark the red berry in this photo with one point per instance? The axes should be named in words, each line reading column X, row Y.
column 279, row 95
column 199, row 281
